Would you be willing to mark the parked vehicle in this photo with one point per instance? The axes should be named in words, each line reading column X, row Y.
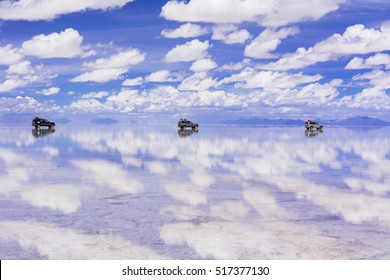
column 310, row 125
column 184, row 123
column 38, row 122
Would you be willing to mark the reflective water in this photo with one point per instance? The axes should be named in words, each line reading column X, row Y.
column 224, row 192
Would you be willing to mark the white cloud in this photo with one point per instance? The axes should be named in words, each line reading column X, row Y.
column 50, row 91
column 230, row 34
column 26, row 105
column 66, row 44
column 120, row 60
column 48, row 9
column 111, row 68
column 355, row 40
column 11, row 84
column 190, row 51
column 88, row 105
column 162, row 76
column 251, row 78
column 264, row 12
column 380, row 59
column 101, row 75
column 133, row 82
column 268, row 41
column 187, row 30
column 377, row 78
column 369, row 98
column 20, row 68
column 235, row 66
column 203, row 65
column 22, row 74
column 9, row 55
column 198, row 81
column 99, row 94
column 101, row 172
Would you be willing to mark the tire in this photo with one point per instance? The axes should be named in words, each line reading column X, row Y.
column 321, row 127
column 38, row 127
column 51, row 127
column 311, row 128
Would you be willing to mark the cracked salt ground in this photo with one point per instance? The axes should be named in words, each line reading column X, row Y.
column 222, row 193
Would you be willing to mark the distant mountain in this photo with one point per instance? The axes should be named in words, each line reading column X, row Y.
column 62, row 120
column 357, row 121
column 107, row 121
column 265, row 121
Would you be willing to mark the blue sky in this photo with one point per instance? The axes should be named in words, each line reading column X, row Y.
column 278, row 58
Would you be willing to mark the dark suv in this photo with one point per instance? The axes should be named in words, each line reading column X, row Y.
column 184, row 123
column 38, row 122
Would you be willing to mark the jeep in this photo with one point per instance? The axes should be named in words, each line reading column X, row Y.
column 38, row 122
column 184, row 123
column 309, row 124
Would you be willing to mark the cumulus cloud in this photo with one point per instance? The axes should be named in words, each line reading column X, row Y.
column 377, row 78
column 235, row 66
column 50, row 91
column 190, row 51
column 355, row 40
column 187, row 30
column 203, row 65
column 101, row 75
column 48, row 10
column 11, row 84
column 20, row 68
column 369, row 98
column 120, row 60
column 99, row 94
column 25, row 105
column 162, row 76
column 133, row 82
column 111, row 68
column 198, row 81
column 264, row 12
column 380, row 59
column 88, row 105
column 251, row 78
column 230, row 34
column 9, row 55
column 66, row 44
column 268, row 41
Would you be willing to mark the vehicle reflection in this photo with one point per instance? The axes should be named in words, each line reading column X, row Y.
column 313, row 133
column 186, row 132
column 40, row 132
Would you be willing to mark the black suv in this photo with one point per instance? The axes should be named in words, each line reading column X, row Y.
column 184, row 123
column 38, row 122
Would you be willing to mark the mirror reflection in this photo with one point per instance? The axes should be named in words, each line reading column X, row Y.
column 228, row 193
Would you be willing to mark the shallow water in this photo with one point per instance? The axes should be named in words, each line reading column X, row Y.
column 224, row 192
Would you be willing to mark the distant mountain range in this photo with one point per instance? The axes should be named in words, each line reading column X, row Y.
column 355, row 121
column 106, row 121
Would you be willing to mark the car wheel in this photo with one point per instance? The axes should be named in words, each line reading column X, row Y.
column 321, row 127
column 311, row 128
column 38, row 127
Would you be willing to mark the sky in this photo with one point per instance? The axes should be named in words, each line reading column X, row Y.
column 236, row 58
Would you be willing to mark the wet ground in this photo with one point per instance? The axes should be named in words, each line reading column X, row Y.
column 223, row 192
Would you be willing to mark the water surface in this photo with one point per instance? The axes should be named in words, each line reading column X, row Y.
column 224, row 192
